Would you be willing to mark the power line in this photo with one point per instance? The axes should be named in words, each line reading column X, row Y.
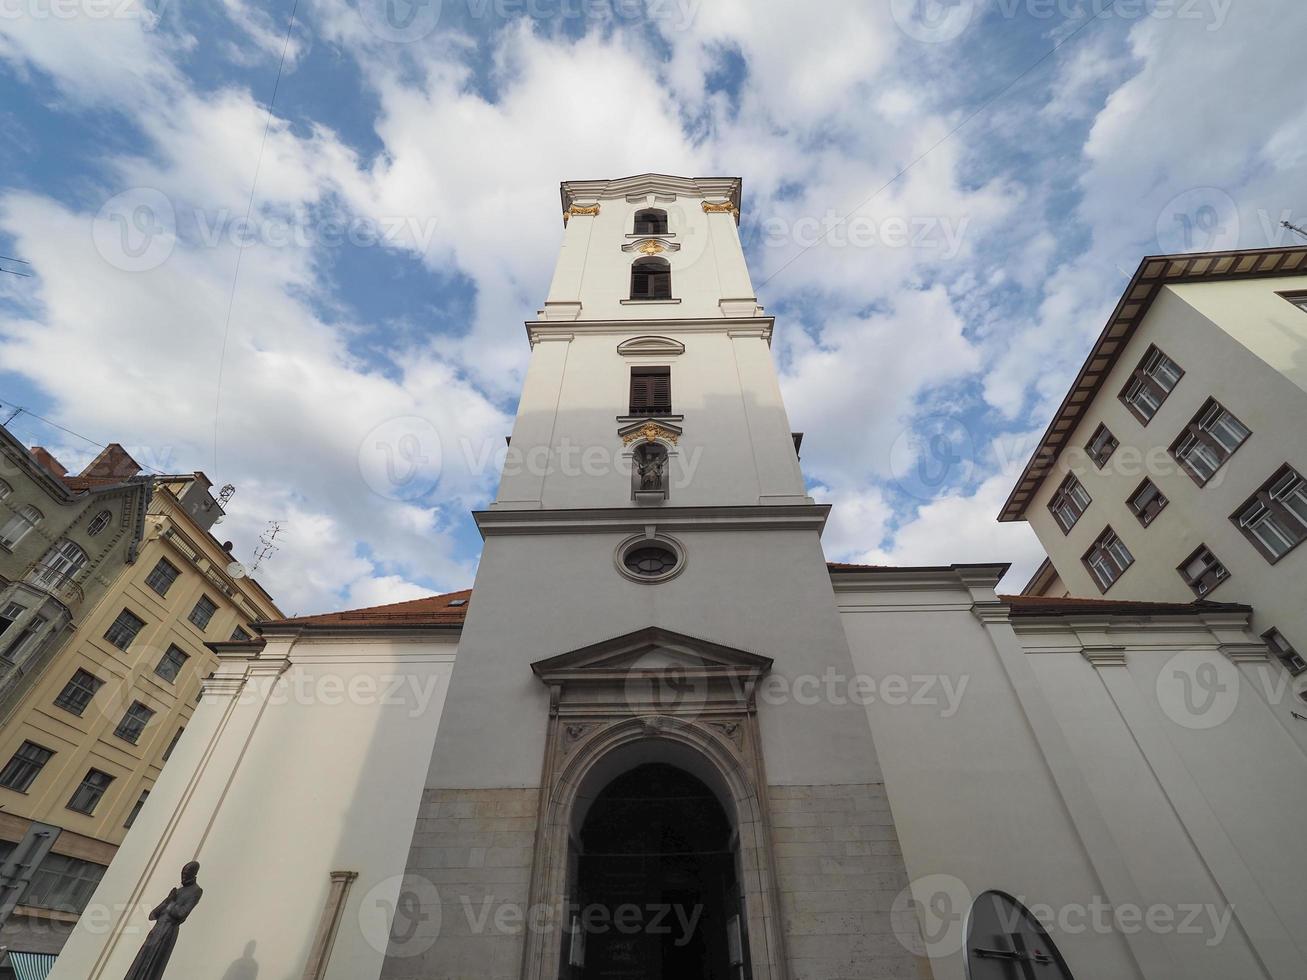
column 946, row 137
column 249, row 208
column 15, row 272
column 20, row 410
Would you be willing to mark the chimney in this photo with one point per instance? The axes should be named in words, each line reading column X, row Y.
column 48, row 462
column 113, row 462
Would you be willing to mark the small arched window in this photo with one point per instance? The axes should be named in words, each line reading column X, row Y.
column 651, row 278
column 99, row 522
column 651, row 221
column 16, row 528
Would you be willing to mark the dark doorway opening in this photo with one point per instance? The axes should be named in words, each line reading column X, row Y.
column 657, row 895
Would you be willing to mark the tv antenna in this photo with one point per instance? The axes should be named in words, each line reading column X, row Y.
column 225, row 493
column 1294, row 228
column 15, row 272
column 266, row 548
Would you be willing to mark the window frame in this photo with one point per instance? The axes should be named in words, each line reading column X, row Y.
column 28, row 767
column 1283, row 650
column 1216, row 567
column 651, row 408
column 61, row 564
column 1202, row 437
column 90, row 786
column 1295, row 297
column 1103, row 545
column 168, row 658
column 131, row 733
column 1101, row 461
column 1065, row 493
column 99, row 522
column 136, row 809
column 1144, row 376
column 1143, row 515
column 658, row 285
column 1264, row 497
column 22, row 522
column 63, row 874
column 70, row 704
column 635, row 224
column 135, row 633
column 208, row 618
column 176, row 574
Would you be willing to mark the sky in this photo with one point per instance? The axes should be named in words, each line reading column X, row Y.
column 292, row 244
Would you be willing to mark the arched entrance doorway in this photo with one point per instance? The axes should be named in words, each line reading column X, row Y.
column 657, row 894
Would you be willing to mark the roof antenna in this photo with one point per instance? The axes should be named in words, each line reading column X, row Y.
column 15, row 272
column 1294, row 228
column 266, row 547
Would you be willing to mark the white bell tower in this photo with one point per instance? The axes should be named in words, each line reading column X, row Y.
column 651, row 343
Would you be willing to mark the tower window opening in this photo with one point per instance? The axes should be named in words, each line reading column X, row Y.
column 651, row 391
column 651, row 278
column 651, row 221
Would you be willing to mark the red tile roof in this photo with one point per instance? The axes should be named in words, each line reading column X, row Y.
column 436, row 610
column 1047, row 605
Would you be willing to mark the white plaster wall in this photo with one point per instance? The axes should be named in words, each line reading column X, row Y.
column 736, row 447
column 1224, row 362
column 999, row 799
column 707, row 264
column 318, row 770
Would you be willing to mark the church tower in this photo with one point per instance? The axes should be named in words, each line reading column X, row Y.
column 637, row 725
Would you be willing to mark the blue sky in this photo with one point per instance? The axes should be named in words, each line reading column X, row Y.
column 942, row 203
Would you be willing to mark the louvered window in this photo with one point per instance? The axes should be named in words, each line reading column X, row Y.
column 651, row 278
column 651, row 391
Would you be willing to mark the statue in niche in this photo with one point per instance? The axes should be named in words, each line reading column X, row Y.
column 651, row 468
column 153, row 958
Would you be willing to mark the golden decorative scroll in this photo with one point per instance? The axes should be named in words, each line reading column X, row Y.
column 725, row 207
column 592, row 209
column 649, row 432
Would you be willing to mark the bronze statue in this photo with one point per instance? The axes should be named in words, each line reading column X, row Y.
column 152, row 960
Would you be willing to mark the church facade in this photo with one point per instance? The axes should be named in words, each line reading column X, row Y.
column 662, row 737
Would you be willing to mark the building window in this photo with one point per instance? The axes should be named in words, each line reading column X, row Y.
column 92, row 789
column 1297, row 299
column 241, row 635
column 1108, row 559
column 99, row 522
column 134, row 722
column 203, row 612
column 1148, row 387
column 60, row 565
column 21, row 771
column 651, row 221
column 1147, row 502
column 651, row 391
column 649, row 559
column 651, row 278
column 10, row 614
column 5, row 489
column 167, row 753
column 1102, row 444
column 1210, row 438
column 136, row 809
column 1274, row 519
column 1284, row 652
column 78, row 692
column 22, row 644
column 162, row 576
column 1069, row 501
column 63, row 883
column 16, row 528
column 1202, row 571
column 170, row 665
column 124, row 629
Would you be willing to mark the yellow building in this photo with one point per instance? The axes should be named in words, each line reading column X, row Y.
column 88, row 737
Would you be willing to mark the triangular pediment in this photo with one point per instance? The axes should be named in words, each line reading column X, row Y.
column 651, row 648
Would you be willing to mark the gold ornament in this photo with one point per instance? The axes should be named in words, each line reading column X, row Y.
column 649, row 432
column 724, row 207
column 592, row 209
column 651, row 247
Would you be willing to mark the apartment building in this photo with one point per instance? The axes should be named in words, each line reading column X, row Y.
column 88, row 730
column 1175, row 467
